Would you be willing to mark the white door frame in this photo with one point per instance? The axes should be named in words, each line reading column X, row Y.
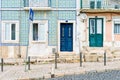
column 58, row 46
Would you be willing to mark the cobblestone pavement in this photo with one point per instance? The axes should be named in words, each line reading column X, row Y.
column 17, row 72
column 107, row 75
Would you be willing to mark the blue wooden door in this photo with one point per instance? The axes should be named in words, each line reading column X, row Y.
column 96, row 32
column 66, row 37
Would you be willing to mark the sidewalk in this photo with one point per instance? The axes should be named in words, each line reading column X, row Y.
column 37, row 72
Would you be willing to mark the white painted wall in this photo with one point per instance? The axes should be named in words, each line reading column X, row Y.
column 11, row 52
column 39, row 48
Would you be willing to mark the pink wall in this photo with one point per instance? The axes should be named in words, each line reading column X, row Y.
column 108, row 25
column 117, row 37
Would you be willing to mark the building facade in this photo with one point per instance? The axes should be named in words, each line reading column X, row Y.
column 66, row 26
column 101, row 22
column 54, row 26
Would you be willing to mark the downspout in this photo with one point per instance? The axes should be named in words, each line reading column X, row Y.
column 19, row 54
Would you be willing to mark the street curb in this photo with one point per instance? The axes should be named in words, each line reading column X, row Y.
column 48, row 76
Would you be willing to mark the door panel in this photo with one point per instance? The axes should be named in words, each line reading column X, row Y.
column 62, row 38
column 92, row 40
column 99, row 33
column 70, row 37
column 99, row 40
column 92, row 33
column 66, row 37
column 95, row 32
column 99, row 26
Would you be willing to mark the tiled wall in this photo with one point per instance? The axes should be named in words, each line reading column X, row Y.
column 11, row 3
column 51, row 16
column 10, row 15
column 0, row 23
column 64, row 3
column 106, row 4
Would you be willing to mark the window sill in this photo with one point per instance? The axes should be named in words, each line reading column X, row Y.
column 38, row 42
column 10, row 41
column 116, row 33
column 38, row 8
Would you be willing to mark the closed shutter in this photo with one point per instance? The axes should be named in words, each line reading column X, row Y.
column 92, row 4
column 98, row 4
column 41, row 33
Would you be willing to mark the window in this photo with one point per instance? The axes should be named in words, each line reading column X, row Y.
column 99, row 26
column 92, row 26
column 116, row 6
column 39, row 31
column 10, row 31
column 98, row 4
column 95, row 4
column 39, row 3
column 35, row 31
column 92, row 4
column 116, row 28
column 26, row 3
column 96, row 25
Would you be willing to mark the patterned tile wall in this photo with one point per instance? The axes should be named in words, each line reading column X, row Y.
column 0, row 23
column 64, row 3
column 11, row 3
column 51, row 16
column 10, row 15
column 61, row 3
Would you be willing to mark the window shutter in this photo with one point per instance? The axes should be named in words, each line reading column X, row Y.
column 49, row 3
column 41, row 32
column 7, row 31
column 26, row 3
column 98, row 4
column 116, row 6
column 92, row 4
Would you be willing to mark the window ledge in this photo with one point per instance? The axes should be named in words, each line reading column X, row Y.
column 116, row 33
column 10, row 41
column 38, row 8
column 38, row 42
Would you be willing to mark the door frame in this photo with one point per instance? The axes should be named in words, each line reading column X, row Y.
column 104, row 28
column 58, row 35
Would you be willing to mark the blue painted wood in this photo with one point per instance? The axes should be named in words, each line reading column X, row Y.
column 66, row 37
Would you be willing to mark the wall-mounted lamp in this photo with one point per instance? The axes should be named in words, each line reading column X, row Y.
column 83, row 16
column 66, row 21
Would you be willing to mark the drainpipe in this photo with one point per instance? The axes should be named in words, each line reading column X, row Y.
column 81, row 4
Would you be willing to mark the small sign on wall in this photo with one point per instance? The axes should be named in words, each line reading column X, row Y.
column 53, row 50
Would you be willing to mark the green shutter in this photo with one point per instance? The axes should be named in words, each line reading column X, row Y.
column 49, row 3
column 98, row 4
column 26, row 3
column 92, row 4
